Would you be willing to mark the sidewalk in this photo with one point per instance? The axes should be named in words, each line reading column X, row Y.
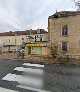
column 37, row 59
column 8, row 55
column 30, row 58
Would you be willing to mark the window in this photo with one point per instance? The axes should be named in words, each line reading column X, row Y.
column 41, row 38
column 35, row 38
column 22, row 40
column 32, row 48
column 9, row 41
column 64, row 46
column 65, row 30
column 15, row 41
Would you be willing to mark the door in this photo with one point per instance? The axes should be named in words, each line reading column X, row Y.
column 36, row 50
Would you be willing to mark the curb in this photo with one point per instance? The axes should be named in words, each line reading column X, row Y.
column 39, row 62
column 25, row 60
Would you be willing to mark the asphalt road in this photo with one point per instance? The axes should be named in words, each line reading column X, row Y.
column 16, row 76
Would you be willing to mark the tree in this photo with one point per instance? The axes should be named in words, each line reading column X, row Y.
column 54, row 50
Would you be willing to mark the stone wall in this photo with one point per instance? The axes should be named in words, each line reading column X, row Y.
column 73, row 38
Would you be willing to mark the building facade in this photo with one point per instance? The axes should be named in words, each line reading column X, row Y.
column 11, row 43
column 35, row 41
column 64, row 32
column 37, row 44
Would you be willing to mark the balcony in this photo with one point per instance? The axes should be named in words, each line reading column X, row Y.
column 33, row 39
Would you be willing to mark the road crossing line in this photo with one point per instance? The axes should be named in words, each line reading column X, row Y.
column 31, row 83
column 30, row 70
column 23, row 80
column 33, row 89
column 11, row 77
column 20, row 79
column 35, row 65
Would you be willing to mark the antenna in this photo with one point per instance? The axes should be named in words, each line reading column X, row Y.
column 77, row 3
column 56, row 10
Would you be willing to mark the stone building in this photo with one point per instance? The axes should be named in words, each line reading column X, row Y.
column 37, row 44
column 64, row 32
column 11, row 41
column 35, row 41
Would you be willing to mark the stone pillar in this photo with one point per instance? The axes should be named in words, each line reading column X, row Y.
column 26, row 51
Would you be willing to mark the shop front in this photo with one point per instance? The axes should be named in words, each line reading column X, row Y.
column 36, row 49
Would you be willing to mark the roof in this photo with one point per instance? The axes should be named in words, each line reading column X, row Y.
column 64, row 14
column 27, row 32
column 38, row 31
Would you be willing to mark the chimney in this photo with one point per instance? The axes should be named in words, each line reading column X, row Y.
column 38, row 31
column 30, row 31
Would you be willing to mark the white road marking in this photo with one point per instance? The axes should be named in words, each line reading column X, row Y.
column 11, row 77
column 33, row 89
column 6, row 90
column 27, row 80
column 34, row 82
column 35, row 65
column 30, row 70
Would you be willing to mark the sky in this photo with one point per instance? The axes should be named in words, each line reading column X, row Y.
column 18, row 15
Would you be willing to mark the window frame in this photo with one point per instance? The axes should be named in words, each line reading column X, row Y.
column 64, row 31
column 65, row 48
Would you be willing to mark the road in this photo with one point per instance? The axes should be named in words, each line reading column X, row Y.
column 22, row 76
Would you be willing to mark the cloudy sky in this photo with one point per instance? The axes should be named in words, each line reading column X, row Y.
column 24, row 14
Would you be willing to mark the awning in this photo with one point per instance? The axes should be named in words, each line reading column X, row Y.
column 37, row 45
